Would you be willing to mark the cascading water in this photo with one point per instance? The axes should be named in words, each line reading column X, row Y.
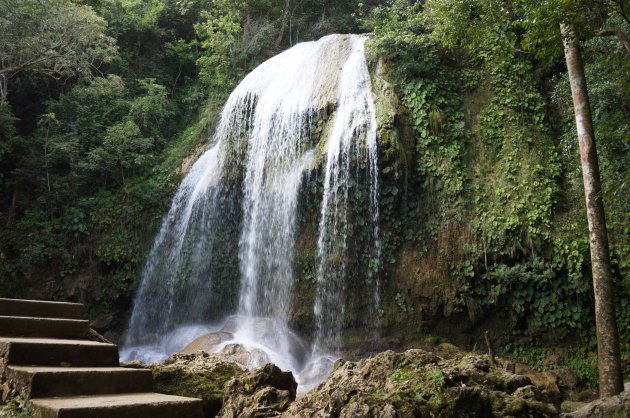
column 355, row 119
column 237, row 216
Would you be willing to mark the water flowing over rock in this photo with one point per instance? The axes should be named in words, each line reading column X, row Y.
column 226, row 248
column 356, row 116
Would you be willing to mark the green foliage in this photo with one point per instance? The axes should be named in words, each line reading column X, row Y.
column 469, row 23
column 584, row 363
column 439, row 126
column 89, row 160
column 396, row 28
column 581, row 360
column 518, row 167
column 482, row 149
column 498, row 169
column 400, row 301
column 54, row 37
column 123, row 149
column 531, row 356
column 133, row 15
column 540, row 21
column 14, row 408
column 152, row 110
column 219, row 34
column 7, row 127
column 535, row 293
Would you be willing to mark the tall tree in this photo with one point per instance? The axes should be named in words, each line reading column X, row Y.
column 609, row 356
column 473, row 24
column 584, row 19
column 54, row 37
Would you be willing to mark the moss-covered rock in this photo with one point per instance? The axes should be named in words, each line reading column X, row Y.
column 611, row 407
column 571, row 406
column 264, row 392
column 197, row 375
column 421, row 384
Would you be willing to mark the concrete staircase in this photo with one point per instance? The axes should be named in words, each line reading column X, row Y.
column 46, row 356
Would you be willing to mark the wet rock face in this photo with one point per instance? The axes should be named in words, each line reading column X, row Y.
column 264, row 392
column 208, row 342
column 224, row 344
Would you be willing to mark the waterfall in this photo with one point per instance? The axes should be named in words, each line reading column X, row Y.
column 355, row 120
column 227, row 244
column 174, row 270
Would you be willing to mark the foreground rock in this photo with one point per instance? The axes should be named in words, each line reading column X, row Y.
column 415, row 383
column 264, row 392
column 420, row 384
column 612, row 407
column 198, row 375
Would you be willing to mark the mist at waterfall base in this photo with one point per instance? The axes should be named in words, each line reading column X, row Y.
column 220, row 273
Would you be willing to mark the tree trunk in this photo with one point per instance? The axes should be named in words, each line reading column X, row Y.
column 609, row 359
column 4, row 86
column 286, row 16
column 12, row 209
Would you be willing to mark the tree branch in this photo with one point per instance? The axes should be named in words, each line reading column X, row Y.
column 11, row 70
column 618, row 33
column 622, row 10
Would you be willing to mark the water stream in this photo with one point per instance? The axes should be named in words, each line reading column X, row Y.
column 222, row 264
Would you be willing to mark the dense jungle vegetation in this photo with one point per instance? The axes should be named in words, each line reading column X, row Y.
column 105, row 101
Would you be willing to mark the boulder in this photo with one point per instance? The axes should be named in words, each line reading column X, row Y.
column 248, row 357
column 448, row 350
column 413, row 383
column 565, row 378
column 529, row 392
column 264, row 392
column 208, row 342
column 197, row 375
column 547, row 382
column 571, row 406
column 611, row 407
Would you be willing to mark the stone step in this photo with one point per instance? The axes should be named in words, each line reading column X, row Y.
column 57, row 352
column 25, row 326
column 136, row 405
column 45, row 382
column 40, row 308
